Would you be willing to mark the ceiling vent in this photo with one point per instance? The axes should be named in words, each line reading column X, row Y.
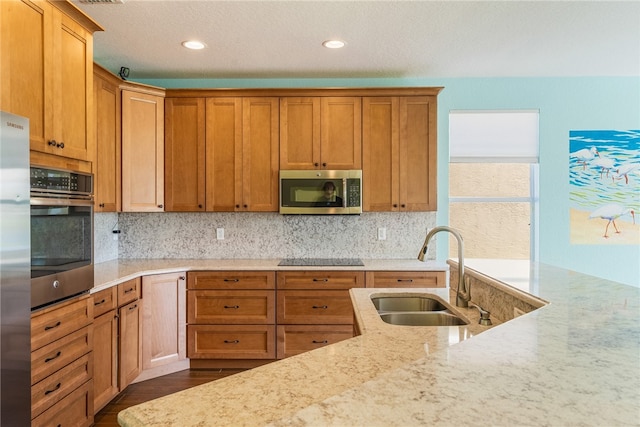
column 102, row 1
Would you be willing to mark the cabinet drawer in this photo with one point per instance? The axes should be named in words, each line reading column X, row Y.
column 309, row 307
column 320, row 279
column 75, row 410
column 296, row 339
column 54, row 323
column 231, row 280
column 406, row 279
column 52, row 389
column 50, row 358
column 230, row 307
column 231, row 342
column 104, row 301
column 128, row 291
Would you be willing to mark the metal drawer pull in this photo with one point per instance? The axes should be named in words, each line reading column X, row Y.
column 405, row 280
column 100, row 302
column 129, row 290
column 321, row 306
column 231, row 341
column 232, row 306
column 133, row 308
column 52, row 390
column 320, row 342
column 321, row 280
column 46, row 328
column 53, row 358
column 231, row 280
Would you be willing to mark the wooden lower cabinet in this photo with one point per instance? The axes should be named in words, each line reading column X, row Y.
column 296, row 339
column 406, row 279
column 231, row 315
column 232, row 341
column 314, row 309
column 130, row 343
column 164, row 341
column 62, row 364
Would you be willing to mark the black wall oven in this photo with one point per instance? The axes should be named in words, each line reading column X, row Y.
column 61, row 235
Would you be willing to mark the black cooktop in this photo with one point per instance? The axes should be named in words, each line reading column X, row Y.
column 321, row 262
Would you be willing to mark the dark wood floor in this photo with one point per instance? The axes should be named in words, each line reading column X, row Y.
column 157, row 387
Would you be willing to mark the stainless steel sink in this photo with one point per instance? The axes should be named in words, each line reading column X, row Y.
column 424, row 318
column 407, row 303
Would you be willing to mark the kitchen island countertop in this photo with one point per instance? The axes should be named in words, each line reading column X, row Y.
column 575, row 361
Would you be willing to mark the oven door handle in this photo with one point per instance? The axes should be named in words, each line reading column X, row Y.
column 60, row 201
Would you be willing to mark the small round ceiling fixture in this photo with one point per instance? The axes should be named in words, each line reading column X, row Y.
column 333, row 44
column 193, row 44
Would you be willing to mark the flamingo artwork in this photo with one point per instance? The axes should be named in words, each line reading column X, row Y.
column 624, row 170
column 611, row 212
column 585, row 155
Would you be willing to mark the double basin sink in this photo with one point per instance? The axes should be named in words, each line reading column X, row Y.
column 416, row 310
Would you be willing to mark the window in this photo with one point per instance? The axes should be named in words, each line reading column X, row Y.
column 493, row 182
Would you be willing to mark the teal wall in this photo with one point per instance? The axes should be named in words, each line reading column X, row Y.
column 564, row 104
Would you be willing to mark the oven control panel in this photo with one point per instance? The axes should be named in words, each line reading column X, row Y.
column 59, row 180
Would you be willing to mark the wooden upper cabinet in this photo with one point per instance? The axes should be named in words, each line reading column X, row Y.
column 320, row 133
column 399, row 153
column 142, row 151
column 223, row 153
column 300, row 133
column 47, row 74
column 106, row 156
column 341, row 133
column 184, row 151
column 260, row 148
column 242, row 154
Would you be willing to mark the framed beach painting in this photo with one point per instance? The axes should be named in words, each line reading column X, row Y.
column 604, row 181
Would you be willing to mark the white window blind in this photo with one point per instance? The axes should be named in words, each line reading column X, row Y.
column 493, row 136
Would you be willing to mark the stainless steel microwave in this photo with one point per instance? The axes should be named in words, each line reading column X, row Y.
column 321, row 192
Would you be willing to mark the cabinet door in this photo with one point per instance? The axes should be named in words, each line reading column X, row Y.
column 130, row 343
column 260, row 155
column 418, row 152
column 105, row 359
column 341, row 133
column 106, row 159
column 142, row 152
column 380, row 154
column 22, row 63
column 223, row 152
column 184, row 150
column 164, row 319
column 72, row 88
column 299, row 133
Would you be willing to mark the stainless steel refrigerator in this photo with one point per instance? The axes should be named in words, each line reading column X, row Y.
column 15, row 272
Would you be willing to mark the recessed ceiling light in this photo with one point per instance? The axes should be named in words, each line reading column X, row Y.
column 193, row 44
column 333, row 44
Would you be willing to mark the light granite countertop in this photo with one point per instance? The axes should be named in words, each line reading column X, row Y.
column 575, row 361
column 107, row 274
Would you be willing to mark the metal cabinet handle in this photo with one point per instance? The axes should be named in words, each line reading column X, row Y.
column 405, row 280
column 232, row 306
column 231, row 280
column 129, row 290
column 320, row 342
column 49, row 359
column 53, row 389
column 320, row 280
column 324, row 307
column 133, row 307
column 46, row 328
column 231, row 341
column 99, row 302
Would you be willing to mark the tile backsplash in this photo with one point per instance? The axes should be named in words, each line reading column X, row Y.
column 260, row 235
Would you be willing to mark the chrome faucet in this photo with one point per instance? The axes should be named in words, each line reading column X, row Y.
column 463, row 293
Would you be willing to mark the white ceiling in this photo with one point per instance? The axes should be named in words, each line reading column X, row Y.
column 388, row 39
